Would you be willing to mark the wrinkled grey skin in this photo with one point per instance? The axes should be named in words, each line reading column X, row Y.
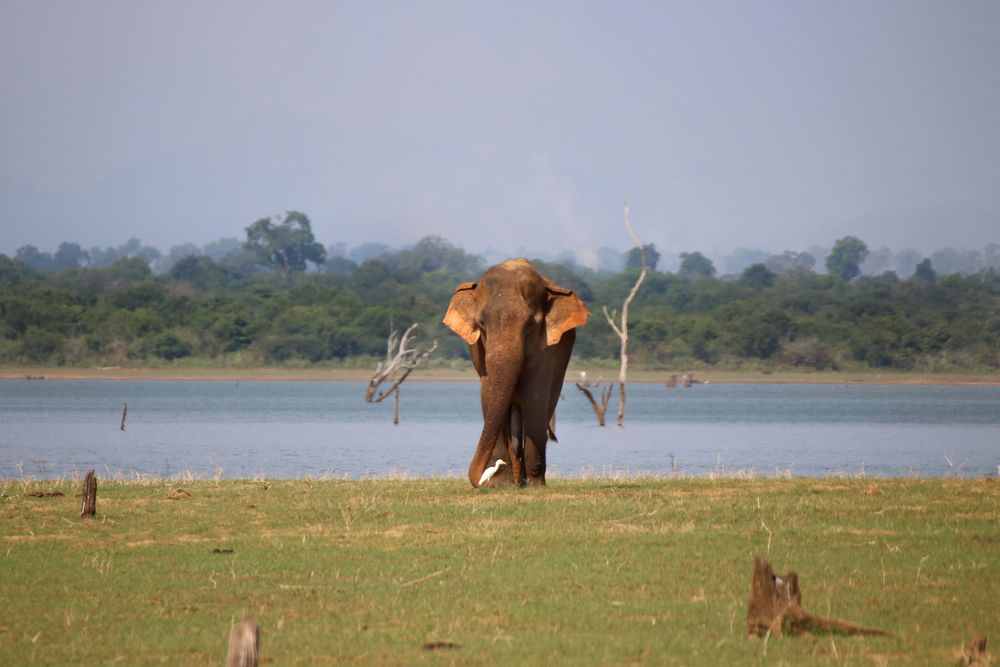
column 520, row 328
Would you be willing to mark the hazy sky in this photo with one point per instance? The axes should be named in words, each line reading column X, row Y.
column 517, row 125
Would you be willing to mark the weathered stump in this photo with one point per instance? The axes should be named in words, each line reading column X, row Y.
column 89, row 507
column 776, row 607
column 770, row 596
column 244, row 644
column 974, row 653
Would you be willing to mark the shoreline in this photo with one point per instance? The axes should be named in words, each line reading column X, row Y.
column 867, row 377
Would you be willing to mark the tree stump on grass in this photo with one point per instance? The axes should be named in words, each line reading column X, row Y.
column 244, row 644
column 974, row 653
column 770, row 595
column 776, row 606
column 89, row 507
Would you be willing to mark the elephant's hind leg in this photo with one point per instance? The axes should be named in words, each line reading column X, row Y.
column 535, row 431
column 515, row 446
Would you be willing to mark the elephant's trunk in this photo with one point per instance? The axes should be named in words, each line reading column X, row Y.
column 502, row 372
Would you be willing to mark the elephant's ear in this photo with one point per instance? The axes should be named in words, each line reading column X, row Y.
column 566, row 311
column 461, row 315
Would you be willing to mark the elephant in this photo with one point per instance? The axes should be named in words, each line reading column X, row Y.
column 520, row 328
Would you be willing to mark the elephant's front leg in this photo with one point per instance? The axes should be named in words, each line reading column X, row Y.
column 506, row 475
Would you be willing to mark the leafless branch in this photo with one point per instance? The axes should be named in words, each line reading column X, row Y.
column 622, row 330
column 400, row 360
column 611, row 319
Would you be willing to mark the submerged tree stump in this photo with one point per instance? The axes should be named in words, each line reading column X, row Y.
column 244, row 645
column 89, row 507
column 776, row 607
column 601, row 409
column 399, row 362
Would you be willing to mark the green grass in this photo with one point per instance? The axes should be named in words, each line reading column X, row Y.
column 583, row 572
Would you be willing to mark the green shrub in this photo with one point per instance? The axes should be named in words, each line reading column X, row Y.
column 39, row 345
column 809, row 353
column 168, row 346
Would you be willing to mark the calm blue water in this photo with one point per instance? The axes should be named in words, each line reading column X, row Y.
column 291, row 429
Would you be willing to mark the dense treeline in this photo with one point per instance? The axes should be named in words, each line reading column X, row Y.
column 262, row 304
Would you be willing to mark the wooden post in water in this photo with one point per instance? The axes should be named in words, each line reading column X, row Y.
column 89, row 507
column 124, row 412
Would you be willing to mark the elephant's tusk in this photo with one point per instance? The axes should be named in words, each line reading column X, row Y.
column 492, row 470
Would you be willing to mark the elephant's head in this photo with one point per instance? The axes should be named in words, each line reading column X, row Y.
column 509, row 318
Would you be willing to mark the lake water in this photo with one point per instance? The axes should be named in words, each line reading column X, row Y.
column 293, row 429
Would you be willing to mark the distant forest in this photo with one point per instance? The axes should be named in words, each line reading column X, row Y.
column 280, row 297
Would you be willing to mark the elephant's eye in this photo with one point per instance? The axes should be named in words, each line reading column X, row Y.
column 480, row 324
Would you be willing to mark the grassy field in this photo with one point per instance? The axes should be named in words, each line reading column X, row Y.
column 583, row 572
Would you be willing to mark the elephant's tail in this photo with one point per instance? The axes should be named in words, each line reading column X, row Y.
column 552, row 434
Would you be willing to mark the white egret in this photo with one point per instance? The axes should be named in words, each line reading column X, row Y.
column 492, row 470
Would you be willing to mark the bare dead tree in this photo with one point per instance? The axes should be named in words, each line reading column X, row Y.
column 622, row 331
column 400, row 360
column 599, row 410
column 124, row 414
